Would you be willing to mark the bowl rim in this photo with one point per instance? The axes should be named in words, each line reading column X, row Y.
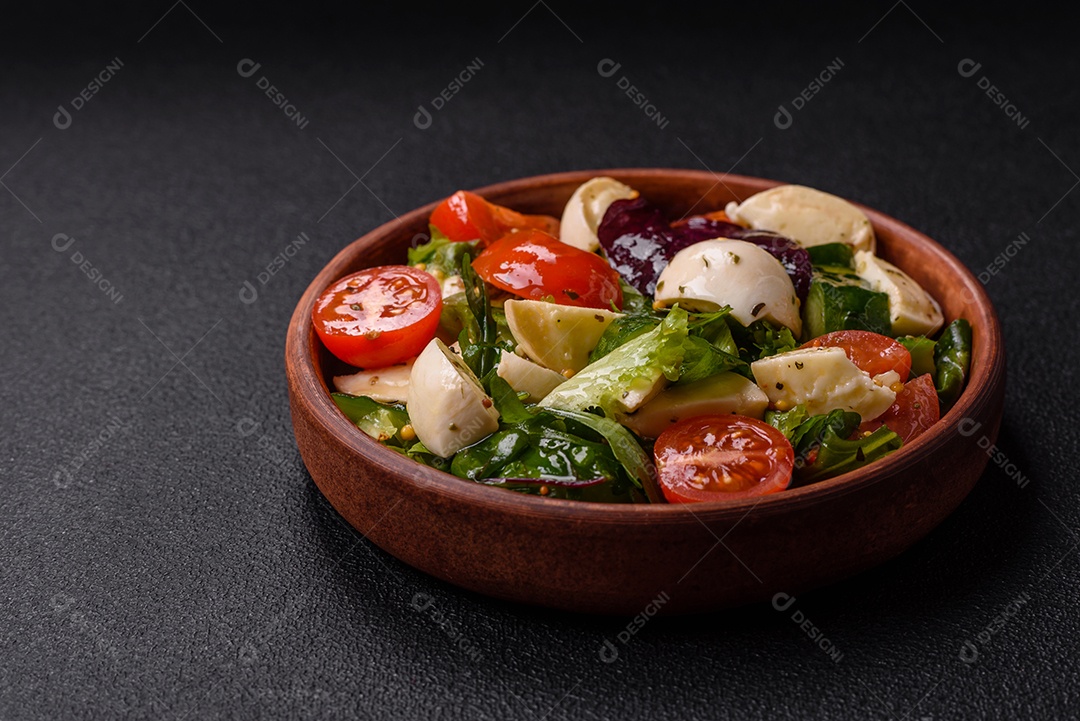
column 308, row 386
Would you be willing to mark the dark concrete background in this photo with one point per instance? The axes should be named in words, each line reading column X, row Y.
column 164, row 552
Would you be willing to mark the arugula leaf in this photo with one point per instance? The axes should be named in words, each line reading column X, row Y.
column 481, row 354
column 821, row 444
column 441, row 253
column 952, row 360
column 761, row 339
column 838, row 455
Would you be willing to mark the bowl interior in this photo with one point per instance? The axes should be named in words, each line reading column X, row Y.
column 679, row 193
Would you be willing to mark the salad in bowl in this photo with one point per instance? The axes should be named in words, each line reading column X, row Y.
column 618, row 355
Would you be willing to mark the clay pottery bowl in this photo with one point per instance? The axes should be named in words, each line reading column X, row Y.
column 619, row 559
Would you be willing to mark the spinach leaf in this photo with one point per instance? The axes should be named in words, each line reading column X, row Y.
column 635, row 461
column 441, row 254
column 600, row 490
column 952, row 360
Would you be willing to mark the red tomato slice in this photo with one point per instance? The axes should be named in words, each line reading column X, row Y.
column 722, row 458
column 379, row 316
column 916, row 409
column 467, row 216
column 533, row 264
column 871, row 352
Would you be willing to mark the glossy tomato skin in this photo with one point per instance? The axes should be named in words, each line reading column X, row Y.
column 695, row 456
column 871, row 352
column 533, row 264
column 379, row 316
column 916, row 409
column 467, row 216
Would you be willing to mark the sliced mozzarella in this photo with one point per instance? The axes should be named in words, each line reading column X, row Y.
column 809, row 216
column 559, row 337
column 822, row 379
column 525, row 376
column 715, row 273
column 452, row 284
column 585, row 209
column 386, row 385
column 447, row 406
column 720, row 394
column 913, row 310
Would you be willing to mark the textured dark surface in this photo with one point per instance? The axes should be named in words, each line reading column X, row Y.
column 164, row 552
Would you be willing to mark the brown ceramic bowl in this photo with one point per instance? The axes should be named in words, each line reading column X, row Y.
column 612, row 558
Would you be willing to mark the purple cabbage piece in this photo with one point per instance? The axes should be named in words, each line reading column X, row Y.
column 635, row 235
column 639, row 242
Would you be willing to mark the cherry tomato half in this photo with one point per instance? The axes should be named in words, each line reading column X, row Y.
column 721, row 458
column 533, row 264
column 379, row 316
column 871, row 352
column 916, row 408
column 466, row 216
